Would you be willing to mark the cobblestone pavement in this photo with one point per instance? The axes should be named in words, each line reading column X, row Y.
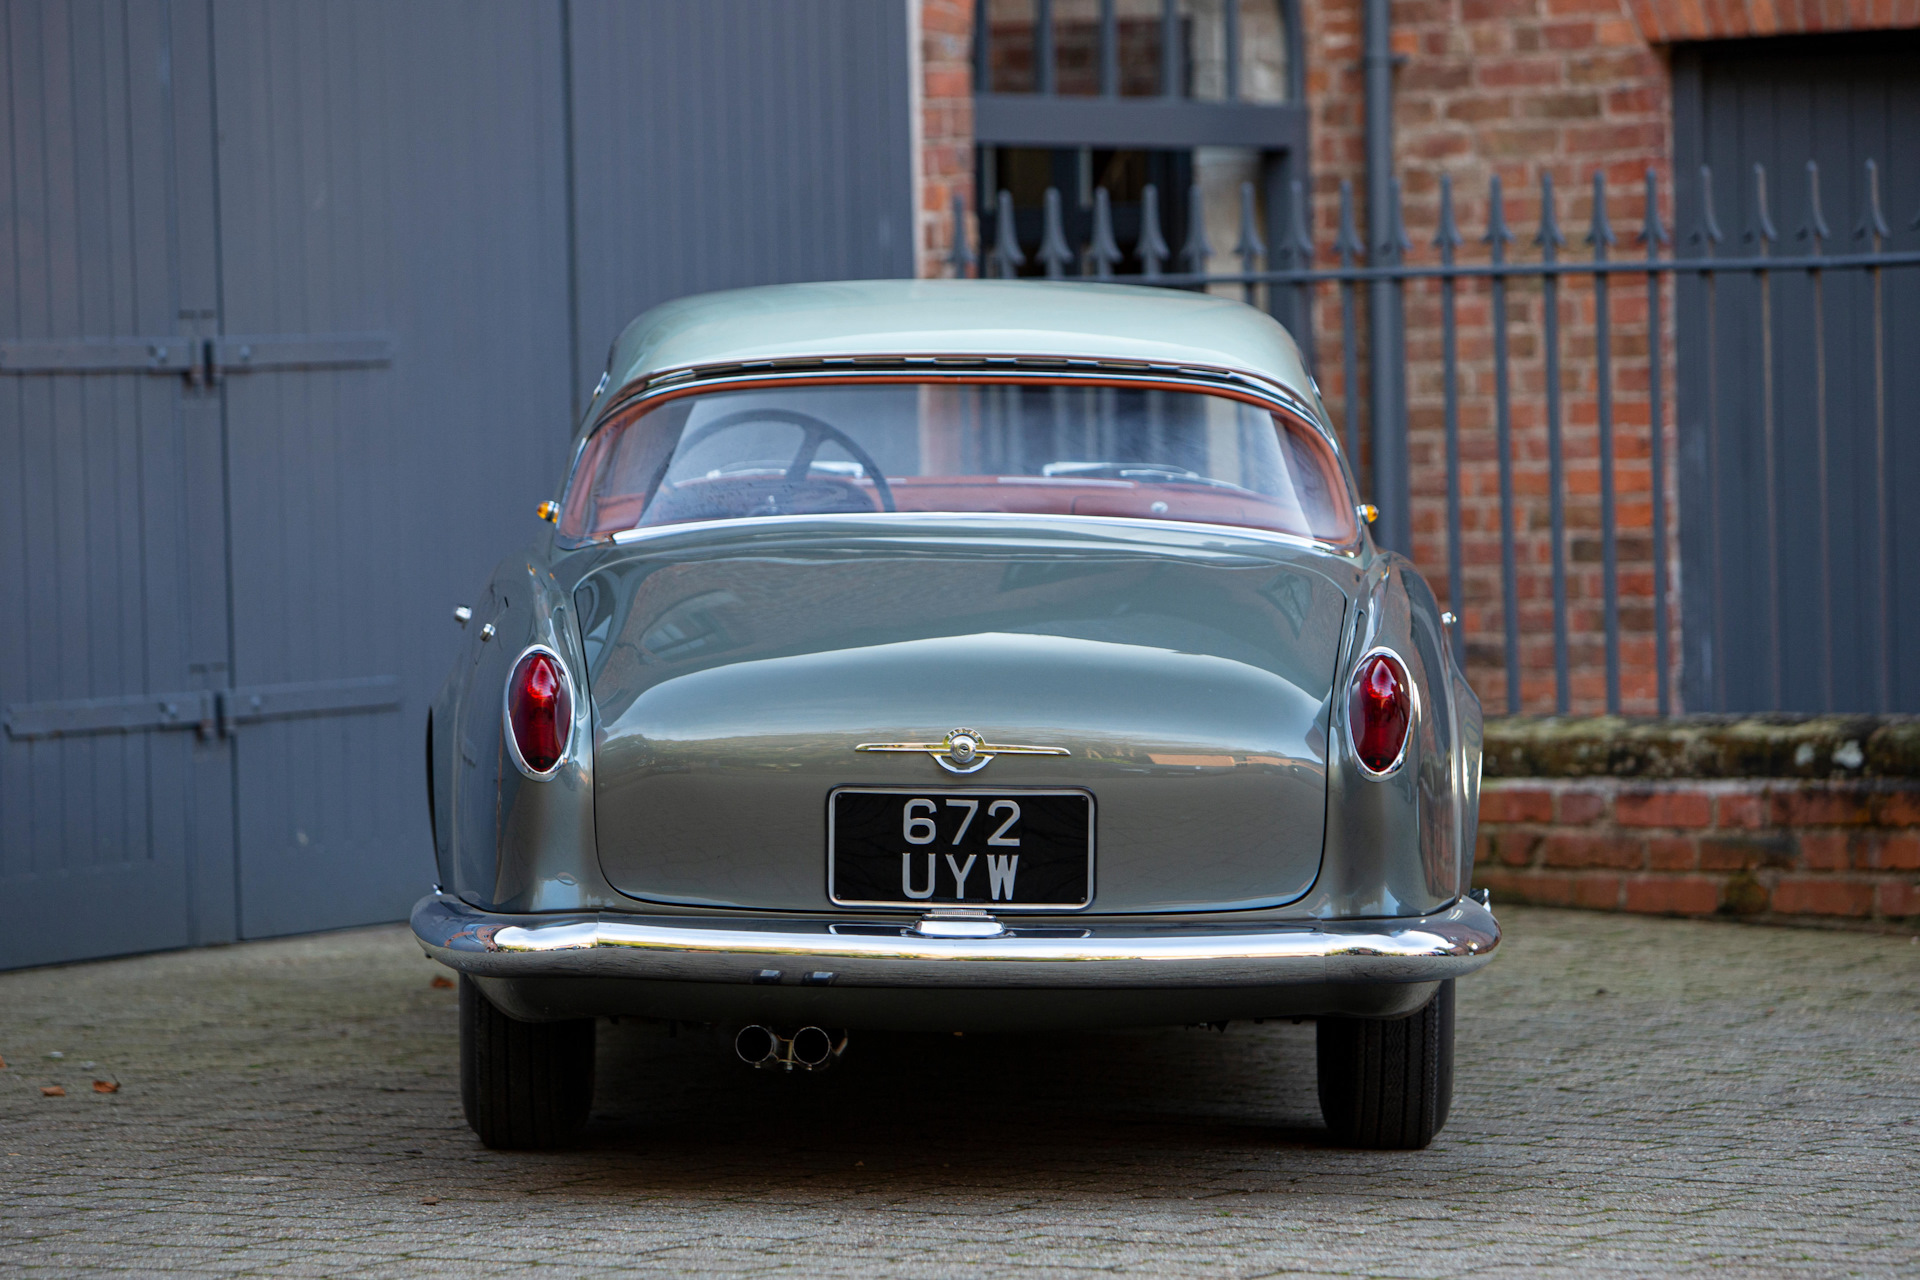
column 1634, row 1096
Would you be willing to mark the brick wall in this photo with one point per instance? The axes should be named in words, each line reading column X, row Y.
column 1765, row 849
column 946, row 125
column 1675, row 20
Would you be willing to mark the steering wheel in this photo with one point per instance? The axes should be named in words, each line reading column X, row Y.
column 815, row 433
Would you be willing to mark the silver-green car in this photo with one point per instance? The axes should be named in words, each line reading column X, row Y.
column 954, row 655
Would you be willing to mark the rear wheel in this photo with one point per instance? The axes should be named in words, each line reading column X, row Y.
column 522, row 1084
column 1388, row 1083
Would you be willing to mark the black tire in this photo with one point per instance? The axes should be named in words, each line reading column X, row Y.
column 522, row 1084
column 1387, row 1083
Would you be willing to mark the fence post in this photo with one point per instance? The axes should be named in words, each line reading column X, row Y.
column 1347, row 245
column 1874, row 225
column 1549, row 239
column 1653, row 235
column 960, row 256
column 1762, row 235
column 1814, row 232
column 1447, row 240
column 1600, row 236
column 1498, row 238
column 1006, row 242
column 1392, row 487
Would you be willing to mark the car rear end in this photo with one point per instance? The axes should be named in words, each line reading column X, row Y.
column 994, row 695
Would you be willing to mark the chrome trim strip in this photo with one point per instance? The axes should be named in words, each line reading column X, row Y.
column 938, row 368
column 962, row 750
column 627, row 537
column 1446, row 944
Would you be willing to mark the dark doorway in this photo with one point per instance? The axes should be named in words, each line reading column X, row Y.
column 1797, row 541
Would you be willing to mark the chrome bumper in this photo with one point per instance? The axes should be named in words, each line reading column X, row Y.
column 823, row 952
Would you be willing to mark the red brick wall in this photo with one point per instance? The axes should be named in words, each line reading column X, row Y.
column 1667, row 21
column 1765, row 849
column 946, row 125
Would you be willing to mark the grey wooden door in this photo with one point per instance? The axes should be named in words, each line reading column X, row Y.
column 734, row 142
column 1798, row 543
column 393, row 238
column 115, row 790
column 301, row 297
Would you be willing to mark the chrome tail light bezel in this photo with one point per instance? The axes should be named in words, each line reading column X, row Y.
column 1413, row 711
column 506, row 713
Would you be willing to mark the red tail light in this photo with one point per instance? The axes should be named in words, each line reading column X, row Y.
column 1380, row 711
column 539, row 710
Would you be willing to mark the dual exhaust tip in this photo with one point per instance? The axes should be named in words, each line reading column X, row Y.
column 808, row 1049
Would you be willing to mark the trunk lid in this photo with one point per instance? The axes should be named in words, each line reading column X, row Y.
column 733, row 675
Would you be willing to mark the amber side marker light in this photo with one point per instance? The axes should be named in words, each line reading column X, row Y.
column 539, row 711
column 1380, row 712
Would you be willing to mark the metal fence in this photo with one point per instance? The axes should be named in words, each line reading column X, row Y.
column 1290, row 281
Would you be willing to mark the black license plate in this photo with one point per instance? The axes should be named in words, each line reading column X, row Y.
column 957, row 847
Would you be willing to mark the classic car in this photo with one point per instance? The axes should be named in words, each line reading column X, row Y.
column 956, row 656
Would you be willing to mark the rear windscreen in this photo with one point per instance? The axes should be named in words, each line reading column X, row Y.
column 1151, row 453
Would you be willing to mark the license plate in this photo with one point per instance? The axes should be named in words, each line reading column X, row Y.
column 960, row 847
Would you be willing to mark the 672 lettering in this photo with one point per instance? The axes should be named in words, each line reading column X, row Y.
column 919, row 825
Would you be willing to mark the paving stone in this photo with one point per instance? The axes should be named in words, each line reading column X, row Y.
column 1634, row 1096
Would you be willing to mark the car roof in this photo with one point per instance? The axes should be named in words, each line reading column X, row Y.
column 955, row 318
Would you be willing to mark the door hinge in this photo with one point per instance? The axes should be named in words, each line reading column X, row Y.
column 178, row 355
column 209, row 711
column 276, row 352
column 191, row 709
column 308, row 698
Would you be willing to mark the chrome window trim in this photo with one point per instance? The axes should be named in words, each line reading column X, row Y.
column 1413, row 716
column 970, row 368
column 934, row 368
column 506, row 713
column 628, row 537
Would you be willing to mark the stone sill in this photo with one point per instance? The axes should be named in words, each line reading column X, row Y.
column 1808, row 748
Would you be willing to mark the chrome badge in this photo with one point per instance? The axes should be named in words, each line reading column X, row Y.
column 963, row 750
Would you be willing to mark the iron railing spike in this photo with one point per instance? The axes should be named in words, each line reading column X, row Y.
column 1447, row 238
column 1300, row 227
column 1006, row 243
column 1549, row 237
column 1397, row 245
column 1497, row 233
column 1708, row 232
column 1875, row 222
column 1600, row 229
column 1347, row 242
column 1763, row 215
column 1195, row 252
column 1250, row 247
column 1055, row 253
column 1103, row 251
column 960, row 256
column 1151, row 247
column 1816, row 229
column 1652, row 231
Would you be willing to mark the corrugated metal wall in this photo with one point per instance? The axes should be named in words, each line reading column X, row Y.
column 383, row 244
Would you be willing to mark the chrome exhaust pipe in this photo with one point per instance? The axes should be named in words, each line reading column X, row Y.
column 812, row 1049
column 758, row 1046
column 809, row 1048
